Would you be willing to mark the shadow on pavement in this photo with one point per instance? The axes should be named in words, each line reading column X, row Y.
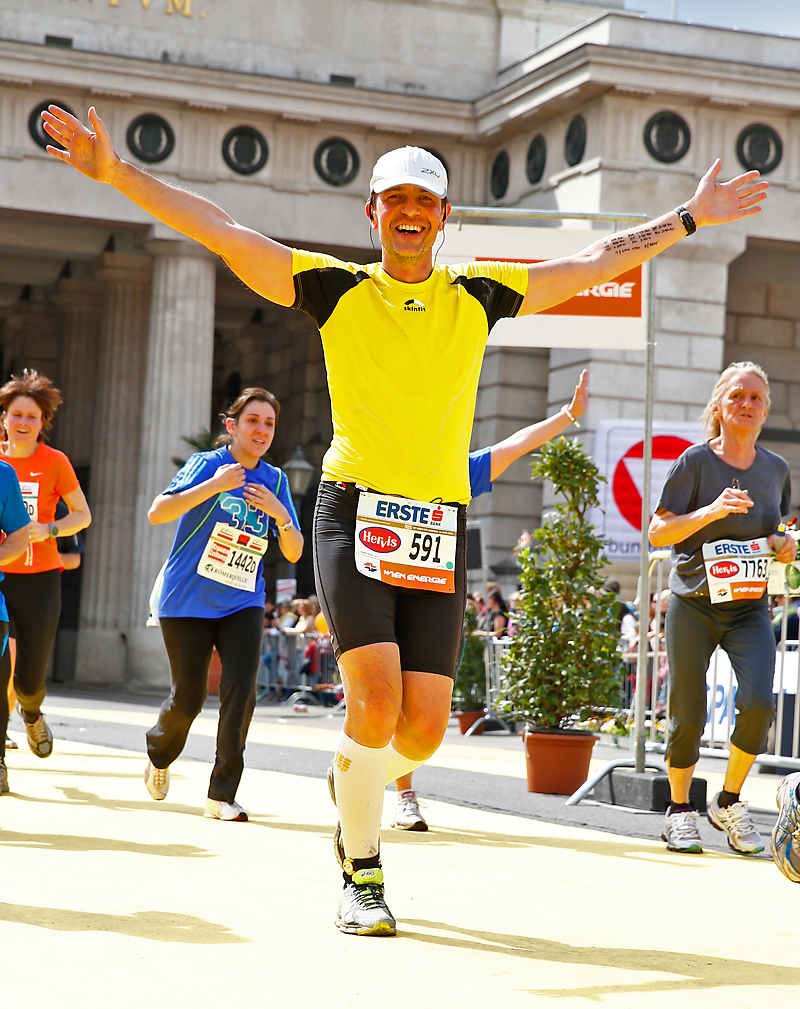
column 161, row 926
column 689, row 971
column 76, row 842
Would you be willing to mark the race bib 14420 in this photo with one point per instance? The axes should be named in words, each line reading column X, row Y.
column 231, row 557
column 407, row 543
column 736, row 569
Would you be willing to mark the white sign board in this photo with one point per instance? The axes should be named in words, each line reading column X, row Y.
column 611, row 316
column 619, row 455
column 285, row 590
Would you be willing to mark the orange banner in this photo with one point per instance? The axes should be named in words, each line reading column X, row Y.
column 620, row 298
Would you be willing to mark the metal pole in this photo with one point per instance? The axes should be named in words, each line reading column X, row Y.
column 524, row 214
column 644, row 572
column 779, row 713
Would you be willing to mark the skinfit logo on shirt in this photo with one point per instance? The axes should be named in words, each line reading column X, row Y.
column 413, row 306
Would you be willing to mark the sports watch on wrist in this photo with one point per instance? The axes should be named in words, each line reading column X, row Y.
column 285, row 528
column 686, row 220
column 52, row 528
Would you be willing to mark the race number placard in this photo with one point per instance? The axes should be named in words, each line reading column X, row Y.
column 231, row 557
column 30, row 495
column 737, row 569
column 407, row 543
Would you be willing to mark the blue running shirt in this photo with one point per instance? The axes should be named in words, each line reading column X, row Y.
column 185, row 593
column 480, row 471
column 13, row 516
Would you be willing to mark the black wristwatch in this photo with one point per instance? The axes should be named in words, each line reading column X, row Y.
column 52, row 528
column 686, row 220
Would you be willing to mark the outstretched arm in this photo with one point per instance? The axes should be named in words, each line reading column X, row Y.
column 556, row 280
column 264, row 265
column 530, row 438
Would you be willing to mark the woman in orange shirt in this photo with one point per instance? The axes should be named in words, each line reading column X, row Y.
column 32, row 582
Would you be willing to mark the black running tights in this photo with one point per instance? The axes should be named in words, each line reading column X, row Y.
column 190, row 642
column 34, row 606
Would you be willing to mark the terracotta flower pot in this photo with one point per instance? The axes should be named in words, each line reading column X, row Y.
column 466, row 719
column 214, row 673
column 557, row 762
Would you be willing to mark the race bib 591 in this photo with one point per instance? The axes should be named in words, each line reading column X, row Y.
column 407, row 543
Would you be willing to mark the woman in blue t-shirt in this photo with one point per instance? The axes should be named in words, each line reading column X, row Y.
column 228, row 502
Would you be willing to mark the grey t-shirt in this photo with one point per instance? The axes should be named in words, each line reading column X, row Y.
column 696, row 479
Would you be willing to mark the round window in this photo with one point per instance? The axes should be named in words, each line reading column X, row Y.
column 150, row 138
column 667, row 137
column 36, row 124
column 337, row 161
column 499, row 179
column 759, row 147
column 245, row 150
column 575, row 141
column 537, row 155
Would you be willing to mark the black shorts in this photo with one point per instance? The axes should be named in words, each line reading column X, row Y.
column 426, row 626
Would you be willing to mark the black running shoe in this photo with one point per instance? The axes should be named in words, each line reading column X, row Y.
column 362, row 906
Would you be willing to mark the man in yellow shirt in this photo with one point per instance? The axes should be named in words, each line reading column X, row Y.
column 403, row 341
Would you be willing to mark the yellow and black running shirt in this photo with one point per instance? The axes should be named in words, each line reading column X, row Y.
column 403, row 362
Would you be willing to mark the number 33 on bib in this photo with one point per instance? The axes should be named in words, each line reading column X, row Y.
column 409, row 544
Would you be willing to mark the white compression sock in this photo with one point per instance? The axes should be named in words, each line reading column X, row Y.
column 359, row 776
column 397, row 765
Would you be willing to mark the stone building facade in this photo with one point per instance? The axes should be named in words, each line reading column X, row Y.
column 277, row 112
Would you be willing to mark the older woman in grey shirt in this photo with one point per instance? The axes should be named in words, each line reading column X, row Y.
column 728, row 495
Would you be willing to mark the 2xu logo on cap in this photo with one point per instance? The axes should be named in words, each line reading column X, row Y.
column 382, row 541
column 724, row 569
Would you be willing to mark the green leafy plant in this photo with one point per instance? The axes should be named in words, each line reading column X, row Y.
column 203, row 441
column 469, row 689
column 563, row 664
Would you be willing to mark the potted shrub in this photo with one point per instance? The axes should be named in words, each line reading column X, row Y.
column 563, row 663
column 469, row 689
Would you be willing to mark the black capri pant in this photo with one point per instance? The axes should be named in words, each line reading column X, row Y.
column 190, row 643
column 694, row 628
column 34, row 606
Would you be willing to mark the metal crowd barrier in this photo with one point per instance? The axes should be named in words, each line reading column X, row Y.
column 298, row 667
column 493, row 652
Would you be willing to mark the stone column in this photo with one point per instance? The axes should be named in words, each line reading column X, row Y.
column 106, row 596
column 79, row 301
column 512, row 394
column 177, row 403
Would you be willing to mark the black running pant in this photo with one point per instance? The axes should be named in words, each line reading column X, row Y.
column 694, row 628
column 34, row 606
column 190, row 642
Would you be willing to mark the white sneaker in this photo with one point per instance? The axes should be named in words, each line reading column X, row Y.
column 218, row 810
column 681, row 831
column 735, row 821
column 406, row 814
column 156, row 780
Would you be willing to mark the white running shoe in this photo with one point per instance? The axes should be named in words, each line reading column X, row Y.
column 785, row 840
column 681, row 831
column 40, row 738
column 11, row 744
column 218, row 810
column 157, row 780
column 734, row 820
column 406, row 813
column 362, row 905
column 3, row 778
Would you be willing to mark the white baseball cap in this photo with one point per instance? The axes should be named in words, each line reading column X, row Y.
column 409, row 166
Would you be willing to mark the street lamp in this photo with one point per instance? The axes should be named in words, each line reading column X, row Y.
column 299, row 472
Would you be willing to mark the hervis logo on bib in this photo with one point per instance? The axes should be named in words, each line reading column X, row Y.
column 412, row 305
column 382, row 541
column 724, row 569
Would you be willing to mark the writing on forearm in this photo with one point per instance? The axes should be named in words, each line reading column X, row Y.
column 637, row 239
